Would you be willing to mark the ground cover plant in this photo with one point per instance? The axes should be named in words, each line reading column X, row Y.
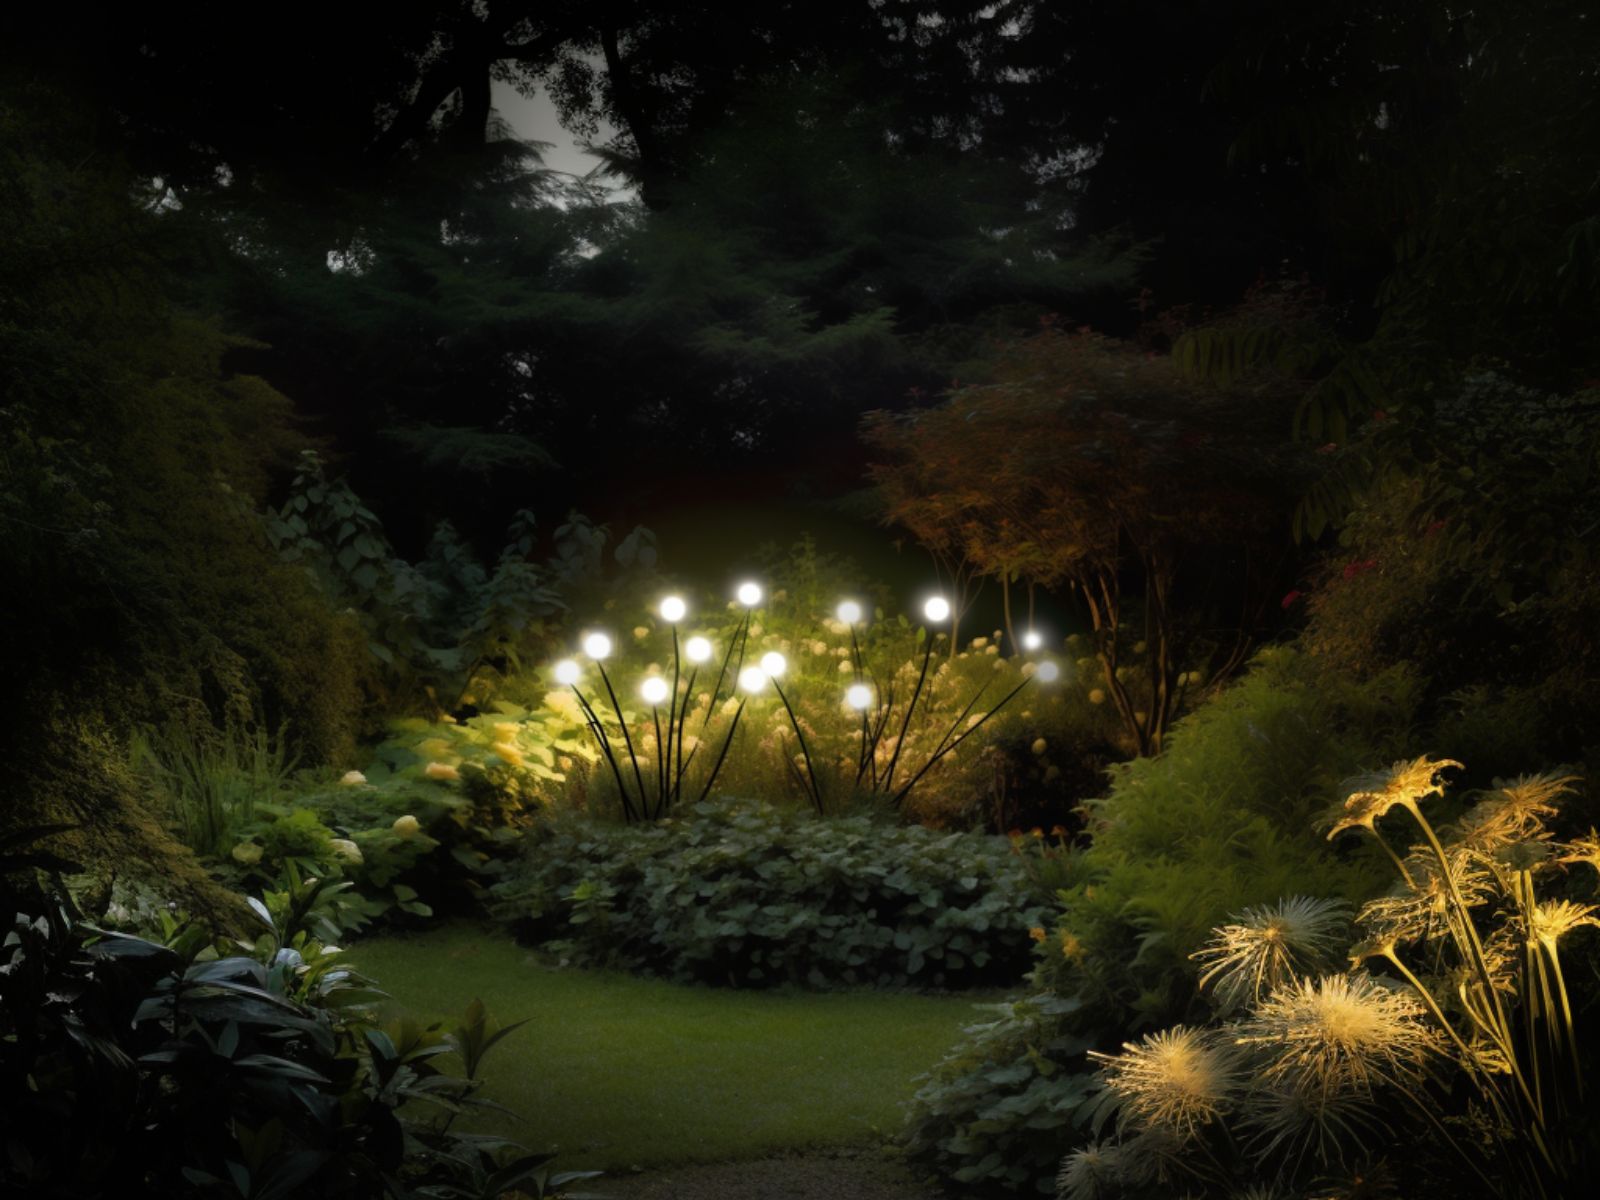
column 648, row 1073
column 748, row 895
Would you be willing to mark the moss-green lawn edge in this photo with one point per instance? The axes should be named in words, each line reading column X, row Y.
column 616, row 1073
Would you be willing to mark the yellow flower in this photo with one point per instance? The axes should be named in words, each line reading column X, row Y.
column 507, row 731
column 1176, row 1081
column 1268, row 946
column 406, row 826
column 441, row 771
column 510, row 753
column 247, row 853
column 1403, row 785
column 1071, row 947
column 345, row 850
column 352, row 779
column 640, row 633
column 1096, row 696
column 1040, row 745
column 1037, row 933
column 1552, row 920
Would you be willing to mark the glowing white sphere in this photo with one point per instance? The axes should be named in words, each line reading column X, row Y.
column 697, row 649
column 1048, row 672
column 567, row 672
column 654, row 690
column 749, row 594
column 1032, row 640
column 597, row 646
column 774, row 664
column 936, row 609
column 752, row 679
column 858, row 696
column 849, row 612
column 673, row 609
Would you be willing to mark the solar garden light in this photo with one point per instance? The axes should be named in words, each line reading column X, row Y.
column 861, row 697
column 748, row 594
column 772, row 666
column 937, row 610
column 569, row 673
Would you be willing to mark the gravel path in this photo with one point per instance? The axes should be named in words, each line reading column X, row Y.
column 836, row 1176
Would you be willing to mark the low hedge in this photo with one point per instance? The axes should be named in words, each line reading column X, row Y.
column 748, row 895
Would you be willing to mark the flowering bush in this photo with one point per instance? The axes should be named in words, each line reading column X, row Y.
column 749, row 895
column 1220, row 821
column 1457, row 1064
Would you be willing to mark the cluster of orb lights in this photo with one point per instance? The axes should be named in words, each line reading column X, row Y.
column 752, row 680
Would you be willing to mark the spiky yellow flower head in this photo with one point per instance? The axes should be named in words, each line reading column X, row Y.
column 1404, row 785
column 1339, row 1034
column 1096, row 1172
column 1515, row 812
column 1583, row 850
column 1177, row 1080
column 1268, row 946
column 1552, row 920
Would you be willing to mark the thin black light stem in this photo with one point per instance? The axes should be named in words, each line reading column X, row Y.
column 599, row 731
column 627, row 738
column 911, row 707
column 815, row 788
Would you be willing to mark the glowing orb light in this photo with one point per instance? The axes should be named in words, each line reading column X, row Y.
column 1032, row 640
column 697, row 649
column 774, row 664
column 849, row 612
column 654, row 690
column 749, row 594
column 567, row 672
column 752, row 679
column 936, row 609
column 597, row 646
column 858, row 696
column 1048, row 672
column 673, row 609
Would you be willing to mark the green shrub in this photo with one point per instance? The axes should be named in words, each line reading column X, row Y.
column 407, row 844
column 182, row 1067
column 1220, row 821
column 749, row 895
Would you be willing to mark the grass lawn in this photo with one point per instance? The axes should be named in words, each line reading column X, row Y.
column 613, row 1072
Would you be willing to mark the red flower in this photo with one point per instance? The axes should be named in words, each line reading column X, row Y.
column 1327, row 447
column 1290, row 597
column 1352, row 569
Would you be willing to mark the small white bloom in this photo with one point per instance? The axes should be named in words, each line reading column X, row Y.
column 345, row 850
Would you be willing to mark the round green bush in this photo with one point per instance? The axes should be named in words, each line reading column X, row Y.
column 748, row 895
